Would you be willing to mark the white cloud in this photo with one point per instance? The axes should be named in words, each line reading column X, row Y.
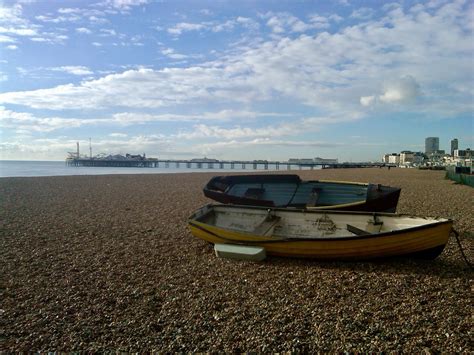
column 6, row 39
column 170, row 53
column 363, row 13
column 118, row 135
column 185, row 27
column 367, row 100
column 405, row 89
column 12, row 47
column 333, row 72
column 285, row 22
column 83, row 30
column 125, row 4
column 18, row 31
column 213, row 26
column 74, row 69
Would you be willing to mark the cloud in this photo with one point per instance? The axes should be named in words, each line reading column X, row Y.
column 334, row 73
column 75, row 70
column 213, row 26
column 6, row 39
column 363, row 13
column 284, row 22
column 367, row 100
column 125, row 4
column 83, row 30
column 12, row 47
column 400, row 91
column 405, row 89
column 185, row 27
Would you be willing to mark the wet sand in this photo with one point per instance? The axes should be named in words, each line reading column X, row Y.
column 105, row 263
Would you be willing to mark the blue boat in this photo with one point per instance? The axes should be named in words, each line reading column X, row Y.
column 285, row 190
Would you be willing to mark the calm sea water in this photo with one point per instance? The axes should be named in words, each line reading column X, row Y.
column 10, row 168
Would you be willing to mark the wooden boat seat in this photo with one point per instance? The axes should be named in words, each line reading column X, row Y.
column 357, row 231
column 265, row 228
column 313, row 197
column 254, row 193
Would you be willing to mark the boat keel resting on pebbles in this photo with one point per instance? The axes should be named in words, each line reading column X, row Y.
column 336, row 235
column 291, row 191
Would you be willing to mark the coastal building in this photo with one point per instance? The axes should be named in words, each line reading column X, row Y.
column 300, row 161
column 386, row 158
column 462, row 153
column 326, row 161
column 431, row 145
column 406, row 157
column 393, row 158
column 454, row 146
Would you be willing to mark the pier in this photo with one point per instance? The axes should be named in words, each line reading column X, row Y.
column 212, row 164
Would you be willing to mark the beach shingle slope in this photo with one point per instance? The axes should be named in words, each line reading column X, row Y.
column 104, row 263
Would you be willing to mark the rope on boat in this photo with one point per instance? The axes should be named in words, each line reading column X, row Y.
column 456, row 234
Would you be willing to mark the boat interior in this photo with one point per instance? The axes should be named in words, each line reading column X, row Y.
column 311, row 225
column 308, row 194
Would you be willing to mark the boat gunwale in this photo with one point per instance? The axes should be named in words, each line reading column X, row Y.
column 192, row 222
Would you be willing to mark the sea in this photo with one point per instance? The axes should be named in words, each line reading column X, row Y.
column 19, row 168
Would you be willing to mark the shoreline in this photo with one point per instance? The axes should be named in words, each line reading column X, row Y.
column 106, row 262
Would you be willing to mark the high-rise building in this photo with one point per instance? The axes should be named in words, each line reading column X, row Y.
column 454, row 146
column 431, row 145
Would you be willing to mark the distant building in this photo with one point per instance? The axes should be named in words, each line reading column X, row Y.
column 454, row 146
column 393, row 158
column 325, row 161
column 431, row 145
column 463, row 153
column 300, row 161
column 406, row 157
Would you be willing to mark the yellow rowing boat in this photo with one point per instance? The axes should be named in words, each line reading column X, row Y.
column 321, row 234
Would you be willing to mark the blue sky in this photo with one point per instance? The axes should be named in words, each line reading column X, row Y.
column 234, row 79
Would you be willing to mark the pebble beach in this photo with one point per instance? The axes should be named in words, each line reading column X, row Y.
column 107, row 263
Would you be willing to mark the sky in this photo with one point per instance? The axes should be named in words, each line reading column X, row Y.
column 243, row 79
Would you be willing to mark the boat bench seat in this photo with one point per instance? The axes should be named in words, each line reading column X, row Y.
column 357, row 231
column 266, row 226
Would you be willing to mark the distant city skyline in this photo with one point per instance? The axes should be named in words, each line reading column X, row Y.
column 270, row 80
